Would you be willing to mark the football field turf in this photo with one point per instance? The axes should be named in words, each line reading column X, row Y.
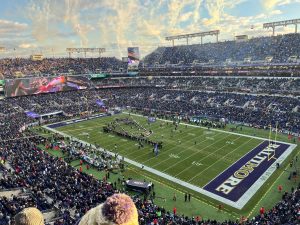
column 189, row 153
column 197, row 158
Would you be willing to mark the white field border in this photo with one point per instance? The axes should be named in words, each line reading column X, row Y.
column 239, row 204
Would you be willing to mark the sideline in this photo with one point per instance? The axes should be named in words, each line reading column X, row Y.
column 212, row 129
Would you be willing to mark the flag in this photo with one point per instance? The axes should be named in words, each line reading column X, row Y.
column 100, row 103
column 156, row 149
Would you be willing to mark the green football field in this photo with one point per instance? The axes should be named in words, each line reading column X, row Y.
column 191, row 154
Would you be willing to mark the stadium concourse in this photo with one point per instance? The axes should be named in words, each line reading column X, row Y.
column 64, row 194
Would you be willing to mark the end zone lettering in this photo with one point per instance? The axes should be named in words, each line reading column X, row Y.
column 246, row 169
column 239, row 177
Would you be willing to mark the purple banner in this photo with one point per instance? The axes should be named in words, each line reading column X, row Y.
column 238, row 178
column 100, row 103
column 32, row 114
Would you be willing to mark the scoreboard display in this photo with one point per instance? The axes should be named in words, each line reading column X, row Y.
column 39, row 85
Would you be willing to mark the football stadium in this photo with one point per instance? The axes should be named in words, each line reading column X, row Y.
column 149, row 112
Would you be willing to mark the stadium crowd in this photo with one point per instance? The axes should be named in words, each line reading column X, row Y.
column 223, row 84
column 280, row 47
column 71, row 192
column 12, row 67
column 44, row 175
column 250, row 109
column 50, row 183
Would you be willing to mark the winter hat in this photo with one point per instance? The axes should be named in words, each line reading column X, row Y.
column 29, row 216
column 118, row 209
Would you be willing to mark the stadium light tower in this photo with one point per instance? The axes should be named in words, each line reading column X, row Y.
column 85, row 50
column 187, row 36
column 282, row 23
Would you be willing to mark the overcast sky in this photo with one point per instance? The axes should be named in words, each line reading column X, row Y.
column 50, row 26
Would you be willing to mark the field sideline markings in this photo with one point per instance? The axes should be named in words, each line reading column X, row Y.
column 136, row 151
column 167, row 151
column 126, row 145
column 192, row 146
column 161, row 174
column 239, row 205
column 164, row 152
column 212, row 129
column 234, row 163
column 207, row 155
column 219, row 160
column 195, row 153
column 199, row 199
column 271, row 186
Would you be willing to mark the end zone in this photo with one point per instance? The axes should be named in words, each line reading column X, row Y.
column 241, row 181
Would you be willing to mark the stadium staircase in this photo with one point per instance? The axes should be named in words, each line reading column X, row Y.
column 50, row 215
column 296, row 109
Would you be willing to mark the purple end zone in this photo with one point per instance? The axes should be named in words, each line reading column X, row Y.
column 248, row 181
column 55, row 125
column 64, row 123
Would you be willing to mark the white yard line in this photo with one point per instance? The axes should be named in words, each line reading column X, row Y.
column 168, row 151
column 196, row 153
column 212, row 129
column 206, row 157
column 165, row 152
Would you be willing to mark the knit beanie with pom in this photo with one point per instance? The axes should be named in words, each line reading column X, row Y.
column 29, row 216
column 118, row 209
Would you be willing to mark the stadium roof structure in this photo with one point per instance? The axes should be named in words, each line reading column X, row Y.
column 85, row 50
column 282, row 23
column 192, row 35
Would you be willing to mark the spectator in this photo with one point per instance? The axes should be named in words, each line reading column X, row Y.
column 117, row 209
column 29, row 216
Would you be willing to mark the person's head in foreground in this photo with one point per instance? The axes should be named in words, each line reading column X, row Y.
column 29, row 216
column 118, row 209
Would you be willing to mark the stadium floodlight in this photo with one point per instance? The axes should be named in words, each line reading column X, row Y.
column 229, row 60
column 282, row 23
column 85, row 50
column 199, row 34
column 293, row 58
column 269, row 59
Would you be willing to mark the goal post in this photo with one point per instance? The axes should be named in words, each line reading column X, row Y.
column 272, row 143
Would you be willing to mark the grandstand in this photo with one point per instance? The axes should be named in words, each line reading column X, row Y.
column 209, row 131
column 258, row 49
